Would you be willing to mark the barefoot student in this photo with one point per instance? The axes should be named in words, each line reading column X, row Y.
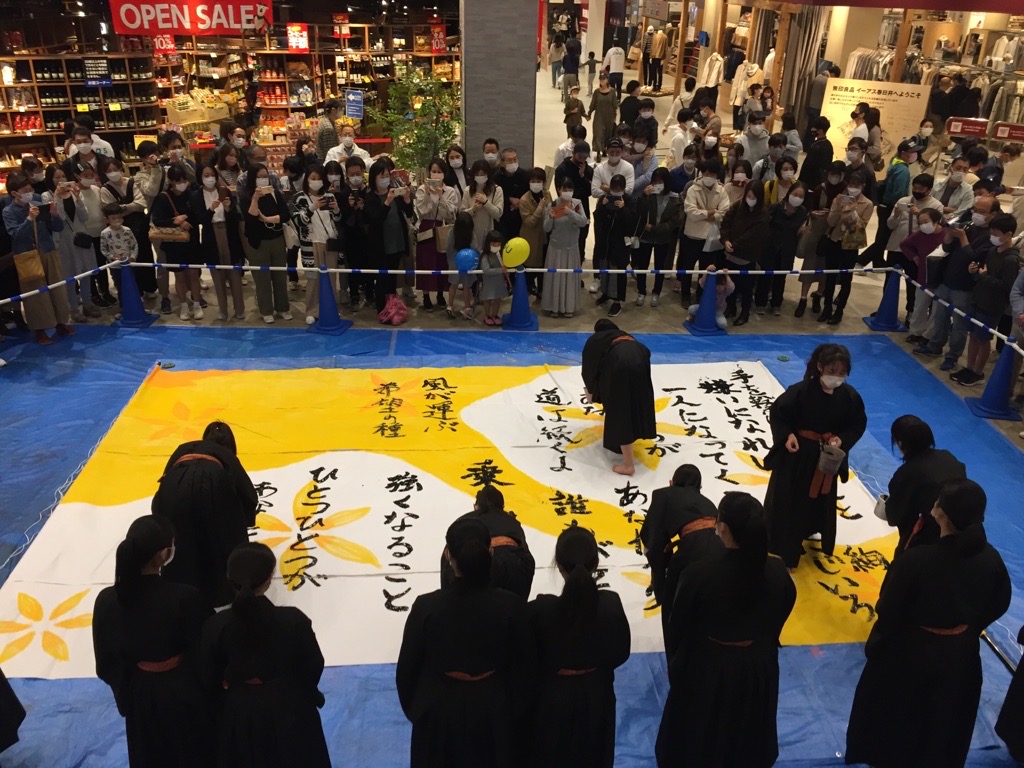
column 617, row 374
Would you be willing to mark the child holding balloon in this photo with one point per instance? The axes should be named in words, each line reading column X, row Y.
column 495, row 283
column 464, row 258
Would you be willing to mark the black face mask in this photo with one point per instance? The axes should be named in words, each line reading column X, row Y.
column 919, row 195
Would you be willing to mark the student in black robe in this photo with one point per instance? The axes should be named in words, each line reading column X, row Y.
column 821, row 409
column 146, row 633
column 207, row 494
column 466, row 663
column 582, row 636
column 918, row 695
column 617, row 375
column 512, row 565
column 1010, row 725
column 723, row 650
column 264, row 663
column 679, row 530
column 915, row 485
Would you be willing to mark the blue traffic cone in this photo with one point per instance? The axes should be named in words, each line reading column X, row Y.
column 520, row 318
column 994, row 402
column 329, row 321
column 705, row 323
column 886, row 319
column 133, row 314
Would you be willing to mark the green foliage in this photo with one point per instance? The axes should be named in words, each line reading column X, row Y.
column 422, row 117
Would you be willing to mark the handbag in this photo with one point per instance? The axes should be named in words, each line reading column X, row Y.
column 442, row 232
column 395, row 312
column 854, row 239
column 878, row 163
column 634, row 53
column 163, row 234
column 880, row 506
column 82, row 240
column 29, row 265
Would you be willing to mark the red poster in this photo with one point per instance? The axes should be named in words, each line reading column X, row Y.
column 438, row 38
column 341, row 25
column 190, row 17
column 1008, row 132
column 298, row 38
column 164, row 45
column 966, row 126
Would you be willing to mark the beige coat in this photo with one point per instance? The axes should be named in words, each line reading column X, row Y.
column 533, row 226
column 856, row 219
column 659, row 45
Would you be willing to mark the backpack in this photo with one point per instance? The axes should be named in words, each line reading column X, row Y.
column 395, row 312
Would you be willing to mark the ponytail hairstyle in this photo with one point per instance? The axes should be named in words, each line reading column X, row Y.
column 745, row 517
column 249, row 567
column 576, row 555
column 146, row 537
column 490, row 499
column 826, row 355
column 469, row 545
column 220, row 433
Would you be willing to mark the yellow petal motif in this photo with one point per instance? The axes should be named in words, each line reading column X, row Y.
column 76, row 622
column 55, row 647
column 273, row 541
column 6, row 627
column 339, row 519
column 15, row 647
column 754, row 462
column 744, row 478
column 305, row 506
column 586, row 437
column 29, row 607
column 267, row 522
column 638, row 577
column 68, row 605
column 343, row 549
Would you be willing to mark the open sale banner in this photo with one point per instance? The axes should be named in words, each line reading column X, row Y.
column 190, row 17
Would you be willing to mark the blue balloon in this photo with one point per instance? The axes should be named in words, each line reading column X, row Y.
column 466, row 260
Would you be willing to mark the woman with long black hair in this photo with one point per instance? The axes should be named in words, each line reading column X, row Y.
column 265, row 663
column 582, row 636
column 387, row 211
column 146, row 632
column 466, row 664
column 723, row 650
column 821, row 410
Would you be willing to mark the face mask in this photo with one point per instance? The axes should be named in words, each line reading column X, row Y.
column 710, row 142
column 355, row 181
column 315, row 185
column 25, row 198
column 996, row 240
column 265, row 182
column 436, row 176
column 833, row 382
column 853, row 155
column 854, row 115
column 86, row 182
column 928, row 228
column 853, row 192
column 383, row 182
column 169, row 559
column 835, row 180
column 37, row 177
column 209, row 182
column 657, row 188
column 616, row 193
column 238, row 141
column 536, row 187
column 688, row 124
column 455, row 162
column 491, row 157
column 926, row 132
column 709, row 181
column 639, row 147
column 919, row 195
column 796, row 201
column 567, row 195
column 689, row 164
column 956, row 177
column 181, row 186
column 495, row 249
column 978, row 219
column 84, row 147
column 347, row 142
column 775, row 153
column 176, row 154
column 787, row 175
column 758, row 131
column 647, row 114
column 114, row 176
column 333, row 178
column 739, row 176
column 481, row 181
column 613, row 159
column 751, row 201
column 511, row 168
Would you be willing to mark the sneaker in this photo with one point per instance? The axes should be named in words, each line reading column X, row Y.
column 655, row 300
column 293, row 285
column 615, row 310
column 567, row 315
column 165, row 306
column 102, row 302
column 962, row 376
column 761, row 310
column 926, row 348
column 286, row 316
column 91, row 311
column 222, row 316
column 203, row 285
column 1017, row 403
column 604, row 298
column 801, row 308
column 428, row 305
column 240, row 316
column 65, row 330
column 776, row 311
column 268, row 319
column 441, row 303
column 79, row 317
column 310, row 319
column 640, row 300
column 185, row 314
column 202, row 304
column 43, row 339
column 974, row 379
column 595, row 286
column 915, row 339
column 197, row 313
column 947, row 365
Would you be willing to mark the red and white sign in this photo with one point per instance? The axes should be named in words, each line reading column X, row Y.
column 298, row 38
column 164, row 45
column 1008, row 132
column 341, row 25
column 438, row 38
column 967, row 126
column 190, row 17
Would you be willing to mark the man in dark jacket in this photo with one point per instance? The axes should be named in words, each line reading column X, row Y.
column 514, row 183
column 819, row 154
column 629, row 109
column 578, row 169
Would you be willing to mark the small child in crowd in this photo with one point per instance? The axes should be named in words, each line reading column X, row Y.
column 117, row 242
column 494, row 286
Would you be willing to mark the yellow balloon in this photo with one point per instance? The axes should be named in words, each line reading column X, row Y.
column 516, row 252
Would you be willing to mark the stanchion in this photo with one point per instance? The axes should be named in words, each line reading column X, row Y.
column 329, row 322
column 994, row 402
column 886, row 319
column 706, row 322
column 133, row 314
column 520, row 318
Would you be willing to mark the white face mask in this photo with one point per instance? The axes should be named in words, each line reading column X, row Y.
column 853, row 192
column 355, row 181
column 928, row 228
column 835, row 181
column 181, row 186
column 25, row 198
column 996, row 240
column 347, row 142
column 315, row 185
column 383, row 182
column 491, row 157
column 739, row 176
column 833, row 382
column 926, row 132
column 710, row 142
column 751, row 201
column 536, row 187
column 481, row 181
column 567, row 195
column 84, row 147
column 978, row 219
column 37, row 177
column 176, row 154
column 333, row 178
column 775, row 152
column 455, row 162
column 114, row 176
column 238, row 141
column 689, row 164
column 265, row 182
column 956, row 177
column 512, row 168
column 796, row 201
column 787, row 175
column 758, row 131
column 639, row 146
column 614, row 159
column 646, row 114
column 688, row 124
column 657, row 188
column 616, row 193
column 495, row 249
column 86, row 182
column 709, row 181
column 853, row 155
column 209, row 182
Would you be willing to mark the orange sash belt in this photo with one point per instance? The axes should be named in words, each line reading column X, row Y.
column 503, row 541
column 701, row 524
column 199, row 457
column 626, row 337
column 736, row 644
column 821, row 483
column 161, row 666
column 467, row 678
column 575, row 672
column 959, row 629
column 918, row 526
column 250, row 681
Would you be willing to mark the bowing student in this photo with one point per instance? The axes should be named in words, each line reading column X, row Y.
column 917, row 698
column 146, row 632
column 465, row 664
column 264, row 662
column 723, row 650
column 208, row 496
column 582, row 636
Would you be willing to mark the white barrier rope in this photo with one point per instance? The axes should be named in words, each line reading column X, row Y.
column 65, row 282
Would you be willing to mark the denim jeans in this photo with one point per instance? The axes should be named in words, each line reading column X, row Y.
column 939, row 328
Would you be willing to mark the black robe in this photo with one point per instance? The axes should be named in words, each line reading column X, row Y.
column 211, row 507
column 918, row 695
column 617, row 373
column 12, row 714
column 791, row 514
column 1010, row 725
column 912, row 493
column 574, row 714
column 473, row 631
column 167, row 714
column 512, row 567
column 723, row 657
column 266, row 689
